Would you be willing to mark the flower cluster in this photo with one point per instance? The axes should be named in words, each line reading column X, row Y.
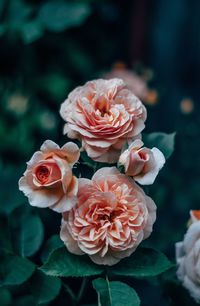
column 108, row 215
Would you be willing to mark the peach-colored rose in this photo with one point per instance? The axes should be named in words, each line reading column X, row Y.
column 103, row 114
column 48, row 180
column 112, row 216
column 142, row 163
column 188, row 257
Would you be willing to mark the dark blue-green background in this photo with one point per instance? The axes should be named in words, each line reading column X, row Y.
column 49, row 47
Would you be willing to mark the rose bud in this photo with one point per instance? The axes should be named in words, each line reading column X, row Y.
column 141, row 163
column 48, row 180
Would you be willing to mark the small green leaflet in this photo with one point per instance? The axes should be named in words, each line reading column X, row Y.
column 115, row 293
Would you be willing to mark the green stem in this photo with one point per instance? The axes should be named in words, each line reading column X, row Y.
column 95, row 167
column 82, row 290
column 108, row 284
column 76, row 298
column 71, row 293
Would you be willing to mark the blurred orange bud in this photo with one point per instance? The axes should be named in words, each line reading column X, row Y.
column 187, row 106
column 119, row 66
column 152, row 97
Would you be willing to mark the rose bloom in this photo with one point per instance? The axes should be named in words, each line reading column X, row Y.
column 136, row 83
column 112, row 216
column 142, row 163
column 103, row 114
column 48, row 180
column 188, row 257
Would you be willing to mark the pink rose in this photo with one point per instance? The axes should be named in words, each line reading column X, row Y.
column 112, row 216
column 103, row 114
column 188, row 259
column 48, row 180
column 142, row 163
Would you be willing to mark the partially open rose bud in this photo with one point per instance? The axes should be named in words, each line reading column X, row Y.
column 142, row 163
column 48, row 180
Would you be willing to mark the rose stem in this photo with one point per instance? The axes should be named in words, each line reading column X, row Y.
column 82, row 289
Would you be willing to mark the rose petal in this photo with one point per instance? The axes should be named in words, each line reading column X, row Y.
column 70, row 243
column 72, row 152
column 49, row 145
column 64, row 204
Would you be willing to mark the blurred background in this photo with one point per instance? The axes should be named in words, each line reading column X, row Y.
column 49, row 47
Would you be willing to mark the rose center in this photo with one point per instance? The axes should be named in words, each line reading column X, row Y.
column 42, row 174
column 111, row 217
column 103, row 105
column 143, row 155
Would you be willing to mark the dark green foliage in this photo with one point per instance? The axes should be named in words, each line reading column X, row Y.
column 44, row 288
column 53, row 243
column 15, row 270
column 115, row 293
column 47, row 49
column 162, row 141
column 5, row 297
column 62, row 263
column 29, row 236
column 145, row 262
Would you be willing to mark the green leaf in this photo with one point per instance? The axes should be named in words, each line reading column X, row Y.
column 10, row 196
column 145, row 262
column 2, row 29
column 115, row 293
column 5, row 297
column 44, row 288
column 54, row 85
column 31, row 31
column 15, row 270
column 18, row 13
column 52, row 244
column 164, row 142
column 5, row 239
column 29, row 234
column 63, row 263
column 59, row 15
column 25, row 300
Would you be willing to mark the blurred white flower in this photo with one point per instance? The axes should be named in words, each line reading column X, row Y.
column 48, row 120
column 17, row 103
column 188, row 257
